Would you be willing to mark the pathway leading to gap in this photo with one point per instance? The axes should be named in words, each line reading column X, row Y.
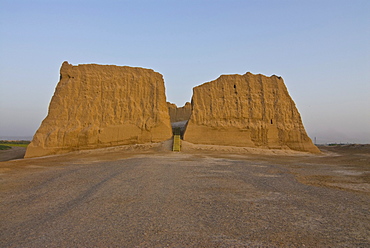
column 176, row 143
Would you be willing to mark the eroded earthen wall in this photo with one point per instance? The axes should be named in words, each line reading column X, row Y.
column 179, row 113
column 103, row 105
column 246, row 110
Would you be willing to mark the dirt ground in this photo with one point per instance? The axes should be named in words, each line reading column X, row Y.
column 11, row 154
column 148, row 196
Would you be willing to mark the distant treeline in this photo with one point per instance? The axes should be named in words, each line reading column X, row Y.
column 26, row 142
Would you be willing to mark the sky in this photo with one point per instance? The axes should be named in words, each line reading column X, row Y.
column 321, row 48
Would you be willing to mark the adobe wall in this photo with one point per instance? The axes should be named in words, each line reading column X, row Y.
column 103, row 105
column 247, row 110
column 179, row 113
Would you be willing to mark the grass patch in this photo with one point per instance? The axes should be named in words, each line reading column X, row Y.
column 4, row 147
column 10, row 143
column 6, row 144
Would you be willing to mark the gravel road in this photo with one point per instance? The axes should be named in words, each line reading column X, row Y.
column 185, row 200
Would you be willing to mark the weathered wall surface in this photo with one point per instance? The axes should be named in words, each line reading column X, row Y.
column 103, row 105
column 246, row 110
column 179, row 114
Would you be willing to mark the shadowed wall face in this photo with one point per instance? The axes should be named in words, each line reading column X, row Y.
column 246, row 110
column 179, row 113
column 103, row 105
column 179, row 117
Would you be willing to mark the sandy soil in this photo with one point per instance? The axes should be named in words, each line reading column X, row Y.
column 147, row 196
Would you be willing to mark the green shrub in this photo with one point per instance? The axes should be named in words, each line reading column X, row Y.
column 2, row 147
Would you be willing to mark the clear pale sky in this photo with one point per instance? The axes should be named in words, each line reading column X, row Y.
column 321, row 49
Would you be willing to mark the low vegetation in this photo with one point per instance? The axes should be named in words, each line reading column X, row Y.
column 7, row 144
column 3, row 147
